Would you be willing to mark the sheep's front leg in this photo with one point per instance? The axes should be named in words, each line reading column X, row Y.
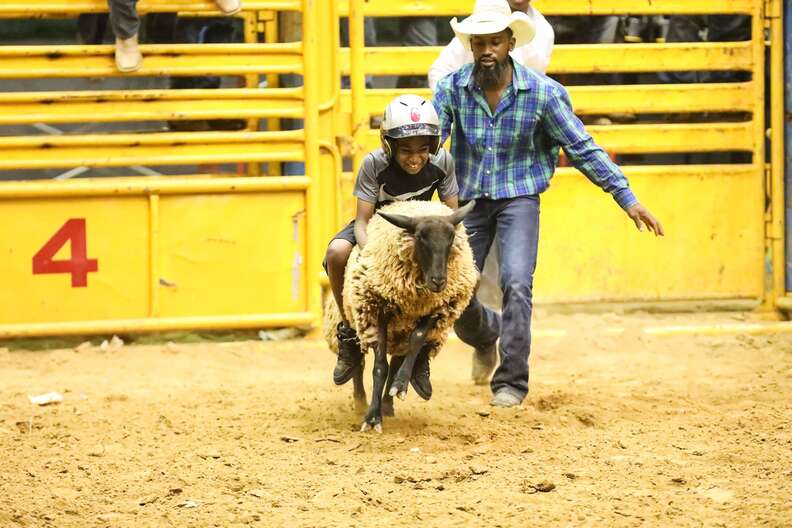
column 416, row 342
column 359, row 390
column 373, row 418
column 387, row 399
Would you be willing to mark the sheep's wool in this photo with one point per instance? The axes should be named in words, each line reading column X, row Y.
column 385, row 275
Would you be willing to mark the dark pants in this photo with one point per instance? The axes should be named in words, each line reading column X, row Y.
column 514, row 223
column 124, row 18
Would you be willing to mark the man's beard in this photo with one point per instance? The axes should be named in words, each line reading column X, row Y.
column 489, row 78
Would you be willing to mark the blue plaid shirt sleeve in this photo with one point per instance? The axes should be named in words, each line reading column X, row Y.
column 442, row 104
column 564, row 127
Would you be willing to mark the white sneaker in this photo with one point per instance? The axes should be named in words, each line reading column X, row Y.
column 229, row 7
column 504, row 398
column 127, row 54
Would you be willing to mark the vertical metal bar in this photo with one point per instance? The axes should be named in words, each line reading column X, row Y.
column 273, row 80
column 357, row 78
column 787, row 108
column 251, row 81
column 313, row 262
column 759, row 162
column 777, row 145
column 154, row 256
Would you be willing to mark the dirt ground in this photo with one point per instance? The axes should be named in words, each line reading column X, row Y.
column 627, row 430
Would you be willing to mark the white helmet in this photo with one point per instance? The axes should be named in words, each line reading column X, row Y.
column 409, row 116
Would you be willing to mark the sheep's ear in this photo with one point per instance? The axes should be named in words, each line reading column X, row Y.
column 405, row 222
column 462, row 212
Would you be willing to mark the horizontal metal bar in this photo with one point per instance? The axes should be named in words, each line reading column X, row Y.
column 115, row 156
column 77, row 7
column 123, row 150
column 55, row 52
column 57, row 108
column 170, row 139
column 101, row 96
column 141, row 186
column 568, row 7
column 579, row 58
column 298, row 319
column 660, row 138
column 20, row 62
column 691, row 171
column 645, row 98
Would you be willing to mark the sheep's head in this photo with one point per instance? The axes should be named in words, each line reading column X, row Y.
column 434, row 236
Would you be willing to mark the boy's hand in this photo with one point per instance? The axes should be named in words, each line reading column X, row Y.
column 642, row 217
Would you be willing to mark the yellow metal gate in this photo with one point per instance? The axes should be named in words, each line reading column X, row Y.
column 714, row 214
column 151, row 253
column 222, row 251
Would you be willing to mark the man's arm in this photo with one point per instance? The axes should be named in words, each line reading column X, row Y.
column 443, row 103
column 564, row 127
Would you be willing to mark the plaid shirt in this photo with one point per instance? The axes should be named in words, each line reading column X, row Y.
column 513, row 151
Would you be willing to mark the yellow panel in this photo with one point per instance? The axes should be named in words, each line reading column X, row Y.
column 116, row 236
column 77, row 107
column 174, row 59
column 232, row 254
column 649, row 98
column 579, row 58
column 548, row 7
column 77, row 7
column 659, row 138
column 590, row 250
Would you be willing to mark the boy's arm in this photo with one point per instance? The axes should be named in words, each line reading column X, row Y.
column 365, row 210
column 448, row 190
column 561, row 124
column 452, row 202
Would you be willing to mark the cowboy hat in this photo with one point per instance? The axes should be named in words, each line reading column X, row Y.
column 493, row 16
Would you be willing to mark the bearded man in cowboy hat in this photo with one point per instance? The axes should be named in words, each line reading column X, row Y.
column 534, row 54
column 508, row 125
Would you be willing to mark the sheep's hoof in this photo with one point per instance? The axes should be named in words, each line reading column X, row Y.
column 399, row 388
column 387, row 407
column 365, row 427
column 372, row 421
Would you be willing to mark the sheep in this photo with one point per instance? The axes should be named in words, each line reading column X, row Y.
column 403, row 292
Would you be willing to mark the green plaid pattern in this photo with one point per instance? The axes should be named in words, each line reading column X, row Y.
column 514, row 151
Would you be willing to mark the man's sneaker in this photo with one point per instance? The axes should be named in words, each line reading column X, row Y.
column 505, row 398
column 348, row 353
column 484, row 362
column 420, row 375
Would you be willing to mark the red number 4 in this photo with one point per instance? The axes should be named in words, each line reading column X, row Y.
column 79, row 265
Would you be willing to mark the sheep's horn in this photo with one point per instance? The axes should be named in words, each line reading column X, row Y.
column 460, row 213
column 407, row 223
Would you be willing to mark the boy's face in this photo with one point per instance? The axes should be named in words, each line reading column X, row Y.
column 412, row 154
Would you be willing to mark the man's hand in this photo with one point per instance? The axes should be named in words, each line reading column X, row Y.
column 642, row 217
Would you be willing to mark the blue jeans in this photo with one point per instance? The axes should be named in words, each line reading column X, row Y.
column 514, row 222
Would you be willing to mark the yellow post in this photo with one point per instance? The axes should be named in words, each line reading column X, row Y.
column 312, row 167
column 357, row 78
column 776, row 231
column 251, row 81
column 759, row 132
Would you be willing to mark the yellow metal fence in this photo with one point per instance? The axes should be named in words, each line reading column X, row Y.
column 714, row 214
column 177, row 252
column 222, row 251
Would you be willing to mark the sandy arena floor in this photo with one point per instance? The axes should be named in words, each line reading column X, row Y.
column 627, row 430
